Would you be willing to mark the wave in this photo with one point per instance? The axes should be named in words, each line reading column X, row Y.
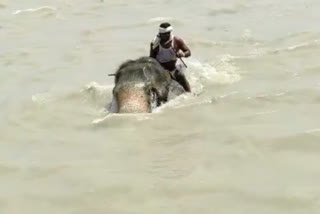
column 6, row 168
column 309, row 137
column 93, row 93
column 296, row 37
column 140, row 24
column 44, row 11
column 210, row 43
column 95, row 98
column 160, row 19
column 221, row 73
column 97, row 94
column 259, row 50
column 256, row 48
column 291, row 43
column 3, row 5
column 42, row 98
column 199, row 75
column 227, row 10
column 301, row 46
column 297, row 96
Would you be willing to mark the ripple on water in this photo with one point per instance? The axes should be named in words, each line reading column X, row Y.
column 227, row 10
column 41, row 11
column 3, row 5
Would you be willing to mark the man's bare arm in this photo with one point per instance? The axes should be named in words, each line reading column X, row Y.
column 183, row 47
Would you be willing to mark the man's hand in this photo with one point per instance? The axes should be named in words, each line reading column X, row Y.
column 180, row 54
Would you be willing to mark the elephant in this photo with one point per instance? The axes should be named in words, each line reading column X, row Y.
column 141, row 85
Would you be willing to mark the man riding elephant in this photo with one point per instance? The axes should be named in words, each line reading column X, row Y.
column 141, row 85
column 166, row 48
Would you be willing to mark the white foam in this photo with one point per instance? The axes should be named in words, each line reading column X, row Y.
column 247, row 35
column 32, row 10
column 101, row 120
column 41, row 98
column 109, row 116
column 223, row 73
column 159, row 19
column 98, row 87
column 98, row 93
column 198, row 74
column 182, row 101
column 312, row 131
column 292, row 47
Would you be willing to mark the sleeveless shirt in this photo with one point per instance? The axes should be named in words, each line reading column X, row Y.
column 166, row 54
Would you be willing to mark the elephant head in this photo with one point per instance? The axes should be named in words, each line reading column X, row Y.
column 141, row 85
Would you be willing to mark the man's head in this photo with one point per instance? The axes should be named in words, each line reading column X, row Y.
column 165, row 30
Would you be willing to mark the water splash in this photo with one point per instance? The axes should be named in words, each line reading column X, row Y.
column 224, row 72
column 42, row 98
column 104, row 120
column 97, row 93
column 198, row 74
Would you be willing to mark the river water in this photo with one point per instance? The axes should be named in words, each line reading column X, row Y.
column 247, row 140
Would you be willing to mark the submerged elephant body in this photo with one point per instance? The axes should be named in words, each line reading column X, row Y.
column 141, row 85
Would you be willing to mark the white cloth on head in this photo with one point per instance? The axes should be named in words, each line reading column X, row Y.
column 165, row 30
column 156, row 41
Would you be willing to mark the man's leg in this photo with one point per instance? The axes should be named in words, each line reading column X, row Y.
column 182, row 80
